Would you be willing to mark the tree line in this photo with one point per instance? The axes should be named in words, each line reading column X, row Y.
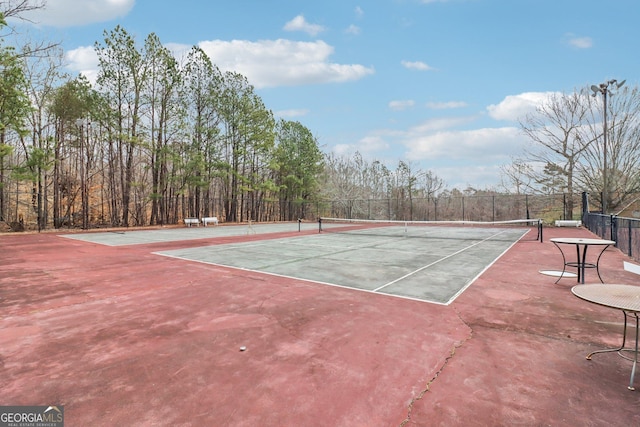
column 156, row 140
column 153, row 142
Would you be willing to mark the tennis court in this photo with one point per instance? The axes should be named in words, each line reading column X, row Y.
column 405, row 259
column 173, row 234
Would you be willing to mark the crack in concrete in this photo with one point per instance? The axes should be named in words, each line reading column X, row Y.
column 439, row 371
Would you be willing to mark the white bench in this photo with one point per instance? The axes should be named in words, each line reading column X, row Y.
column 210, row 220
column 191, row 221
column 568, row 223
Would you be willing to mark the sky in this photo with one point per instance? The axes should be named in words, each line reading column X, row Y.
column 439, row 84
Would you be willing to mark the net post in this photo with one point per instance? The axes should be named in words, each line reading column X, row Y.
column 540, row 229
column 299, row 223
column 319, row 224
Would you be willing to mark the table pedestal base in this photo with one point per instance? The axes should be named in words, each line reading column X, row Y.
column 622, row 348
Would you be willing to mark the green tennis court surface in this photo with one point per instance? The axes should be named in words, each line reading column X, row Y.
column 434, row 265
column 139, row 237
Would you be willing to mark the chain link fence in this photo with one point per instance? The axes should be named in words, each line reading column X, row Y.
column 467, row 208
column 22, row 213
column 622, row 230
column 625, row 231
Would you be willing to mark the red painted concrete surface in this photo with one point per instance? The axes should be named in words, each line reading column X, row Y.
column 121, row 336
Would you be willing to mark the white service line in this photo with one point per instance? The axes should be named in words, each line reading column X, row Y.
column 436, row 262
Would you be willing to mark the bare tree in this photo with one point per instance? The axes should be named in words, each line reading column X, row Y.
column 18, row 8
column 558, row 142
column 623, row 147
column 41, row 73
column 516, row 176
column 431, row 184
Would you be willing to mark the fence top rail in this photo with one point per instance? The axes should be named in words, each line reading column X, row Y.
column 626, row 218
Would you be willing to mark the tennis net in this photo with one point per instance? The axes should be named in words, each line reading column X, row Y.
column 531, row 229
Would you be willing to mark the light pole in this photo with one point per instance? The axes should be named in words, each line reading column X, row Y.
column 603, row 88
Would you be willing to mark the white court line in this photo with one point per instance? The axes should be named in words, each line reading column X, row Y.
column 374, row 291
column 437, row 261
column 250, row 270
column 383, row 240
column 464, row 288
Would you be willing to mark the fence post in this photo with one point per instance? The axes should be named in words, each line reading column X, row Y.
column 629, row 234
column 585, row 205
column 493, row 207
column 435, row 209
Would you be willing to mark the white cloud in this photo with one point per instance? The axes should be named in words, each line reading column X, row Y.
column 416, row 65
column 476, row 176
column 439, row 139
column 67, row 13
column 448, row 146
column 353, row 29
column 343, row 149
column 370, row 147
column 291, row 113
column 446, row 105
column 401, row 105
column 300, row 24
column 83, row 60
column 359, row 12
column 438, row 124
column 489, row 144
column 579, row 42
column 515, row 107
column 265, row 63
column 179, row 50
column 460, row 157
column 269, row 63
column 372, row 144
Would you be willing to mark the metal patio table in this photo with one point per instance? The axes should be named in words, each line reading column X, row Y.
column 625, row 298
column 581, row 263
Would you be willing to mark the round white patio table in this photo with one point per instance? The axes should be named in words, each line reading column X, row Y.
column 625, row 298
